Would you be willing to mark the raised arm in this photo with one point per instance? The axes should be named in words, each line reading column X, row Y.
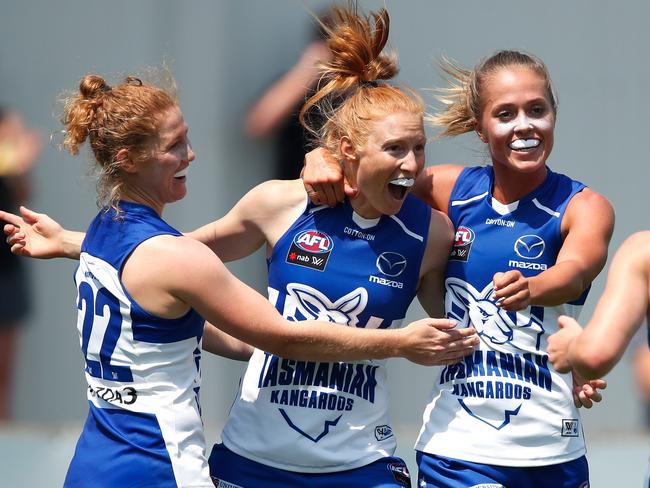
column 587, row 225
column 619, row 313
column 261, row 216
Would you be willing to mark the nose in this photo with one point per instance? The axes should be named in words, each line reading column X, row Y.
column 410, row 162
column 190, row 153
column 523, row 123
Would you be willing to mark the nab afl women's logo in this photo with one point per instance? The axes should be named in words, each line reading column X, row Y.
column 462, row 244
column 310, row 249
column 464, row 236
column 313, row 241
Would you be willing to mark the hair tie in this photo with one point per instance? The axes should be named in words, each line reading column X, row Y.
column 369, row 84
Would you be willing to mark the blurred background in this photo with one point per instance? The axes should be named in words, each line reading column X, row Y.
column 225, row 54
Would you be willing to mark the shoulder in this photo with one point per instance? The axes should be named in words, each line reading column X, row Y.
column 435, row 183
column 272, row 196
column 590, row 207
column 636, row 247
column 172, row 255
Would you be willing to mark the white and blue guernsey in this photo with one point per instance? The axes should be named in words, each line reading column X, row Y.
column 331, row 265
column 504, row 404
column 144, row 426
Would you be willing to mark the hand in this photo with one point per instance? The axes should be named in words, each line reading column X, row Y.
column 560, row 342
column 34, row 235
column 512, row 291
column 323, row 178
column 585, row 393
column 435, row 342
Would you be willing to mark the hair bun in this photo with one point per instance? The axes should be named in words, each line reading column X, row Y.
column 93, row 86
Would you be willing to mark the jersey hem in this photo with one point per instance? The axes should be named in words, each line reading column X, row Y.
column 501, row 461
column 303, row 469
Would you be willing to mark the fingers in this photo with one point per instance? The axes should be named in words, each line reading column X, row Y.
column 29, row 216
column 11, row 218
column 349, row 191
column 599, row 383
column 441, row 324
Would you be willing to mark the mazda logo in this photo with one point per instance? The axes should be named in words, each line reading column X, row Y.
column 529, row 246
column 391, row 263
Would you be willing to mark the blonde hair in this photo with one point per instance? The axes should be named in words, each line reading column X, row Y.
column 349, row 98
column 462, row 98
column 126, row 116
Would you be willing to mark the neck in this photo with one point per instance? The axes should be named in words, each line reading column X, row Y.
column 510, row 186
column 362, row 208
column 134, row 195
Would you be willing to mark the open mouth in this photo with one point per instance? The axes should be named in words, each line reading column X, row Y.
column 524, row 144
column 399, row 187
column 181, row 174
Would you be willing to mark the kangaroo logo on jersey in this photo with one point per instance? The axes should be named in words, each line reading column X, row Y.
column 493, row 324
column 530, row 246
column 314, row 305
column 509, row 366
column 462, row 244
column 391, row 263
column 311, row 249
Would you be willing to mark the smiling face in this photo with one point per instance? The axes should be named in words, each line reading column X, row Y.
column 517, row 121
column 160, row 179
column 384, row 168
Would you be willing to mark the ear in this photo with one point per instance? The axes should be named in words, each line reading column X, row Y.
column 126, row 163
column 347, row 149
column 480, row 132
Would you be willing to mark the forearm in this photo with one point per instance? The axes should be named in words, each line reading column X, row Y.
column 71, row 243
column 561, row 283
column 218, row 342
column 320, row 341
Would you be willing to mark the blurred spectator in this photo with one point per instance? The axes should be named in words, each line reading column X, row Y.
column 19, row 148
column 275, row 113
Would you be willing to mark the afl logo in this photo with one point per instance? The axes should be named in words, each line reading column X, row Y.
column 464, row 236
column 314, row 241
column 529, row 246
column 391, row 263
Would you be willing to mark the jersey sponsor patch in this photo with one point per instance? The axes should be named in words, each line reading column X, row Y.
column 570, row 428
column 530, row 246
column 311, row 249
column 383, row 432
column 462, row 244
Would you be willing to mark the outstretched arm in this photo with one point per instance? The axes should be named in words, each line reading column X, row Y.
column 218, row 342
column 37, row 235
column 587, row 224
column 619, row 313
column 169, row 270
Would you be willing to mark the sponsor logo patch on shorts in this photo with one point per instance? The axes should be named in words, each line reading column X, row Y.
column 400, row 473
column 224, row 484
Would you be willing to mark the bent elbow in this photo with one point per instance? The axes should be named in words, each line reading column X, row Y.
column 593, row 364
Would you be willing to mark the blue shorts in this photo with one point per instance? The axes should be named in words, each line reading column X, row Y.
column 105, row 458
column 230, row 470
column 442, row 472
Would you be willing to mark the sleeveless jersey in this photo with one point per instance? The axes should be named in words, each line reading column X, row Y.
column 504, row 404
column 330, row 265
column 144, row 426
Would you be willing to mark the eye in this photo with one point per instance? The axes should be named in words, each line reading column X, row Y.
column 538, row 110
column 419, row 148
column 393, row 147
column 504, row 114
